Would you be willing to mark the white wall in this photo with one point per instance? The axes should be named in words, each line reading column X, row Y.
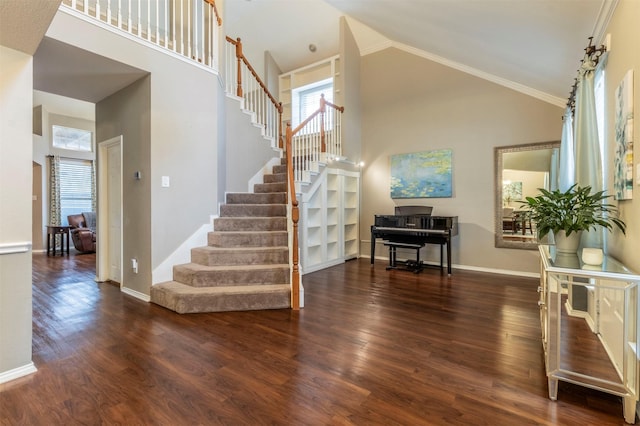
column 16, row 85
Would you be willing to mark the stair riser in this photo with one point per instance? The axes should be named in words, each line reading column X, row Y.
column 253, row 210
column 230, row 277
column 280, row 177
column 192, row 303
column 256, row 239
column 251, row 224
column 280, row 169
column 262, row 188
column 275, row 257
column 250, row 198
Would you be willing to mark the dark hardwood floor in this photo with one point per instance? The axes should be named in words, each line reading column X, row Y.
column 370, row 347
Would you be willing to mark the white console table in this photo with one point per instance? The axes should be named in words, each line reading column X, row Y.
column 594, row 345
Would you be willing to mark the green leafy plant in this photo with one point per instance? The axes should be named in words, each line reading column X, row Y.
column 575, row 210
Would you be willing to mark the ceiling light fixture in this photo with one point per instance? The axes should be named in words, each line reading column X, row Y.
column 312, row 47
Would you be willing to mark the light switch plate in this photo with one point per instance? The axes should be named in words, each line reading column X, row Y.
column 165, row 181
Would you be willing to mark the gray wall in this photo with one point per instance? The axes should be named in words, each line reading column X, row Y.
column 16, row 85
column 243, row 138
column 182, row 117
column 127, row 113
column 411, row 104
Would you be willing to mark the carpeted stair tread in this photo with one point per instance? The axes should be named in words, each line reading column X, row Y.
column 253, row 210
column 250, row 224
column 198, row 275
column 186, row 299
column 276, row 177
column 247, row 238
column 220, row 256
column 253, row 198
column 270, row 187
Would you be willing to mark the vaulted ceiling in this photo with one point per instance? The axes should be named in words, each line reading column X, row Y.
column 531, row 45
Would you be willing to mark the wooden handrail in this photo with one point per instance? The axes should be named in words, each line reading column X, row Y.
column 215, row 9
column 240, row 55
column 295, row 218
column 239, row 91
column 321, row 110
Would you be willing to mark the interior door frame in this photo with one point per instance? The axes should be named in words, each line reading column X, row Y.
column 102, row 267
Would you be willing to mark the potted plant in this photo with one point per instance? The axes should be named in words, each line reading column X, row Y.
column 567, row 214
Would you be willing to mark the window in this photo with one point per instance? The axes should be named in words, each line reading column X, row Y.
column 72, row 139
column 306, row 100
column 76, row 187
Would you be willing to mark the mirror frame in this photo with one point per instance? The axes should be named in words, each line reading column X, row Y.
column 498, row 164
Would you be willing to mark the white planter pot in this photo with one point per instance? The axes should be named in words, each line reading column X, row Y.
column 567, row 244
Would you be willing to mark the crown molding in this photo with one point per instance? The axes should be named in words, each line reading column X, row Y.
column 602, row 21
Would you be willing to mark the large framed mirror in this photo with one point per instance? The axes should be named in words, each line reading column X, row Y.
column 520, row 170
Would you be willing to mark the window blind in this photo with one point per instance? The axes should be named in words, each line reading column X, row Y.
column 75, row 187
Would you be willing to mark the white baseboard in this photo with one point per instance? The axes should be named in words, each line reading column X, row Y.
column 16, row 373
column 136, row 294
column 474, row 268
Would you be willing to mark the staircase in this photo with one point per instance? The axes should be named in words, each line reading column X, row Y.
column 245, row 265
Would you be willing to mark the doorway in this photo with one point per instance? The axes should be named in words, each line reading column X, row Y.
column 110, row 211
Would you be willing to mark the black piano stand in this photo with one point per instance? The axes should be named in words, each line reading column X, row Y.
column 412, row 265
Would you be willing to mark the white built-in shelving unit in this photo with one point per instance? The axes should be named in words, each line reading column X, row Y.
column 329, row 220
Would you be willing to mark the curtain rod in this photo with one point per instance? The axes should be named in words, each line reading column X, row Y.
column 592, row 53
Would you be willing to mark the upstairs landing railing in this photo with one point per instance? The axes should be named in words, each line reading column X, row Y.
column 186, row 27
column 243, row 81
column 317, row 139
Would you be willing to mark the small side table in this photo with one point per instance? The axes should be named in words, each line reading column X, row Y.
column 53, row 231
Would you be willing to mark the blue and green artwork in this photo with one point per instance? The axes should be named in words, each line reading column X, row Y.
column 421, row 174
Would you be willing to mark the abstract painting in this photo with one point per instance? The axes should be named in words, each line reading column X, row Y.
column 623, row 161
column 421, row 175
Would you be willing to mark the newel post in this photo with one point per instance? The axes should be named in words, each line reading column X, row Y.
column 295, row 217
column 239, row 60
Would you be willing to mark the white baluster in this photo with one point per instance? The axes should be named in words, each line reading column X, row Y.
column 139, row 19
column 149, row 20
column 166, row 24
column 129, row 22
column 174, row 18
column 157, row 22
column 109, row 12
column 210, row 35
column 97, row 9
column 189, row 28
column 196, row 31
column 120, row 14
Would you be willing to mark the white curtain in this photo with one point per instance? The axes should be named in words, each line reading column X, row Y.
column 588, row 158
column 567, row 173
